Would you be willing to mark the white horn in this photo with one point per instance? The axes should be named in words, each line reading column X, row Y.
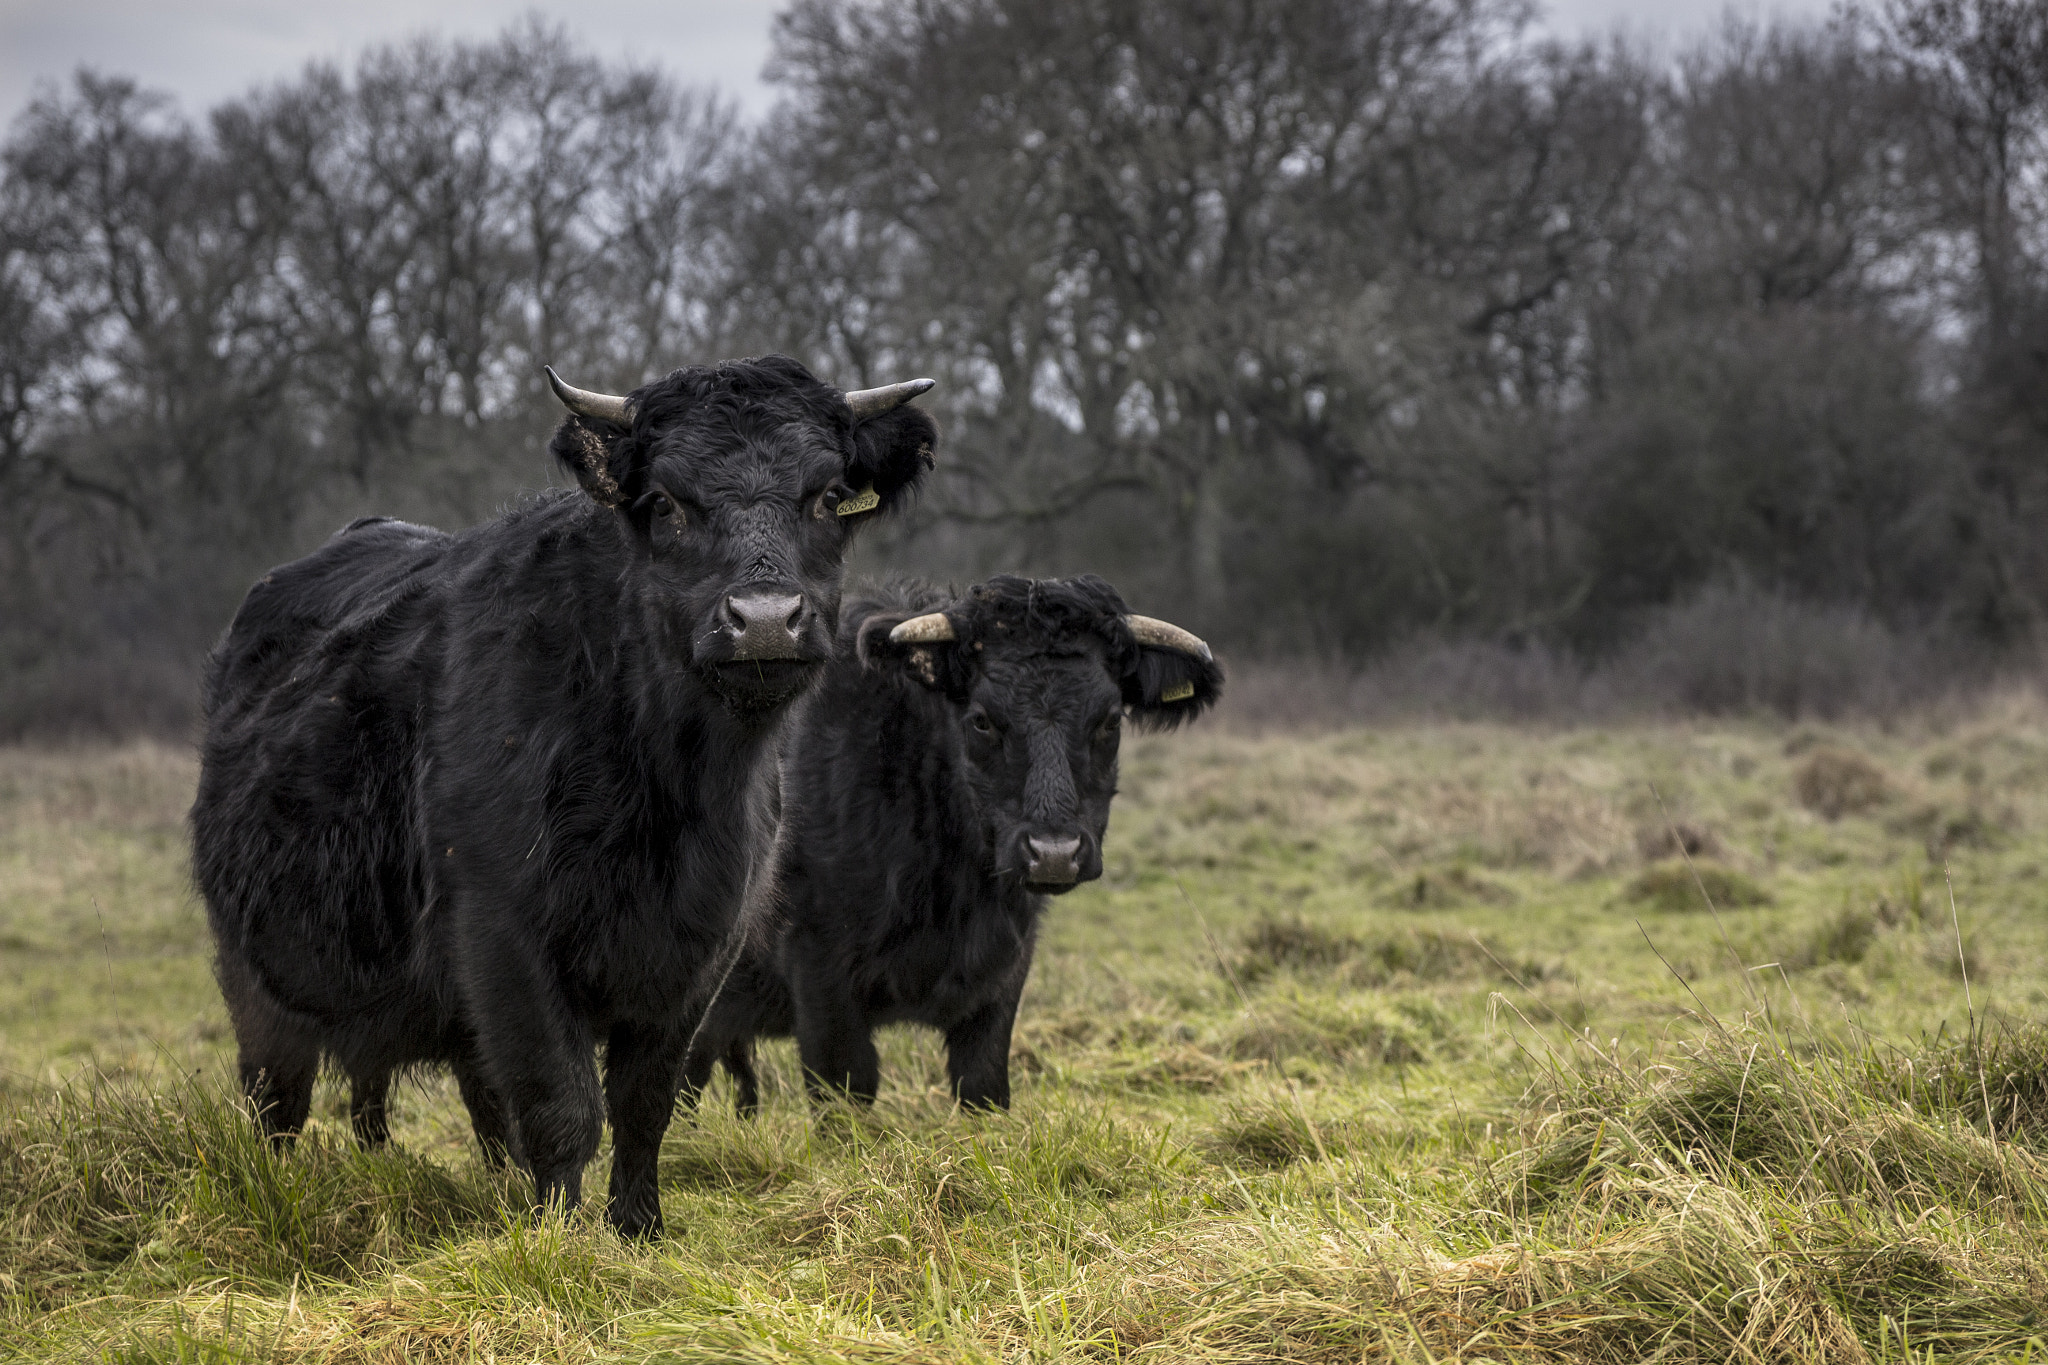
column 929, row 629
column 604, row 407
column 868, row 403
column 1166, row 635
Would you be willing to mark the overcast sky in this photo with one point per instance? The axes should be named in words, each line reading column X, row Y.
column 206, row 50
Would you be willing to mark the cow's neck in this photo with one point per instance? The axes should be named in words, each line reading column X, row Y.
column 696, row 739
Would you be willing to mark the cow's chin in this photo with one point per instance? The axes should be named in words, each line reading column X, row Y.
column 1057, row 888
column 763, row 684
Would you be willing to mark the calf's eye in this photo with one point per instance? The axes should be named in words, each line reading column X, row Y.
column 662, row 507
column 826, row 504
column 981, row 723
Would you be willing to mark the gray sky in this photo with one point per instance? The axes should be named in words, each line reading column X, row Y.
column 206, row 50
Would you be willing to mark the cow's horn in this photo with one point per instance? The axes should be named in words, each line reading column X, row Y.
column 928, row 629
column 1166, row 635
column 868, row 403
column 604, row 407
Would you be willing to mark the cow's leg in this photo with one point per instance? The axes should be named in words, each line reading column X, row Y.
column 278, row 1082
column 486, row 1113
column 833, row 1037
column 739, row 1064
column 641, row 1068
column 368, row 1094
column 277, row 1061
column 978, row 1055
column 841, row 1065
column 718, row 1038
column 696, row 1075
column 537, row 1057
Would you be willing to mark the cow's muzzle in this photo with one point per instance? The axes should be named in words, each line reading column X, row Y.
column 771, row 647
column 765, row 626
column 1052, row 864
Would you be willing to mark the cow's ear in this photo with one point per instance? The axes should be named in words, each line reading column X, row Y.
column 934, row 663
column 595, row 452
column 1166, row 686
column 892, row 452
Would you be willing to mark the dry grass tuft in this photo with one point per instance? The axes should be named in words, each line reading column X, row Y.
column 1833, row 782
column 1664, row 839
column 1356, row 1030
column 1292, row 943
column 1845, row 937
column 1676, row 885
column 1445, row 888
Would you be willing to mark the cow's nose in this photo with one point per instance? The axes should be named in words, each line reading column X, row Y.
column 765, row 625
column 1054, row 862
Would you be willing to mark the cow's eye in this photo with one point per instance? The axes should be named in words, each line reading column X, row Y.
column 981, row 723
column 660, row 505
column 1107, row 731
column 826, row 504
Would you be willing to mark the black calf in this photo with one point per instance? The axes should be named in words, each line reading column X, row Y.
column 954, row 769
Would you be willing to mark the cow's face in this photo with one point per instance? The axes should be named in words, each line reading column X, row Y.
column 741, row 487
column 1039, row 677
column 1039, row 732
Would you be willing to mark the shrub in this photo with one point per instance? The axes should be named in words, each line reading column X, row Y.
column 1735, row 648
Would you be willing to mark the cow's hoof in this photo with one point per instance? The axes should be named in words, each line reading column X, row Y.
column 636, row 1220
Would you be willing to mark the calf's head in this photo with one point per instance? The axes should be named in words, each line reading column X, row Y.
column 740, row 486
column 1038, row 676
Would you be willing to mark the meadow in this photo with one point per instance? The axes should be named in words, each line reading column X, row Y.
column 1687, row 1041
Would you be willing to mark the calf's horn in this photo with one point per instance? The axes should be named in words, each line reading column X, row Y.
column 605, row 407
column 928, row 629
column 868, row 403
column 1166, row 635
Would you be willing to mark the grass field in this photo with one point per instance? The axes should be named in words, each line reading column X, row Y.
column 1413, row 1044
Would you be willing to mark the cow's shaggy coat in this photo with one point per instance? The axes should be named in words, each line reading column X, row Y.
column 496, row 799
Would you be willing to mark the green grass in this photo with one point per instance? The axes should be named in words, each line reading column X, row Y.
column 1408, row 1044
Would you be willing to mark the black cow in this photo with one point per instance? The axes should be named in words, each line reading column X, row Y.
column 954, row 768
column 497, row 798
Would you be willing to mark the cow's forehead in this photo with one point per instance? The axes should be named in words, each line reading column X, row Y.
column 748, row 458
column 1072, row 668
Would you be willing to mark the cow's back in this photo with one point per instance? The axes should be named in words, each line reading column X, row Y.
column 304, row 830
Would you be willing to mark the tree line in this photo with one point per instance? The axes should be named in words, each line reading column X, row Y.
column 1317, row 324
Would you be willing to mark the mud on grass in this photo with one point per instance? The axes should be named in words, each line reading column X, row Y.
column 1272, row 1104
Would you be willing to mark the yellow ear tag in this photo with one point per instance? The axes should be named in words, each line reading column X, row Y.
column 1180, row 691
column 867, row 500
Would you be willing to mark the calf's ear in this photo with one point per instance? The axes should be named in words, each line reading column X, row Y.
column 892, row 452
column 1168, row 685
column 921, row 650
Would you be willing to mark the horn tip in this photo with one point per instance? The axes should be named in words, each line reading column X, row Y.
column 933, row 627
